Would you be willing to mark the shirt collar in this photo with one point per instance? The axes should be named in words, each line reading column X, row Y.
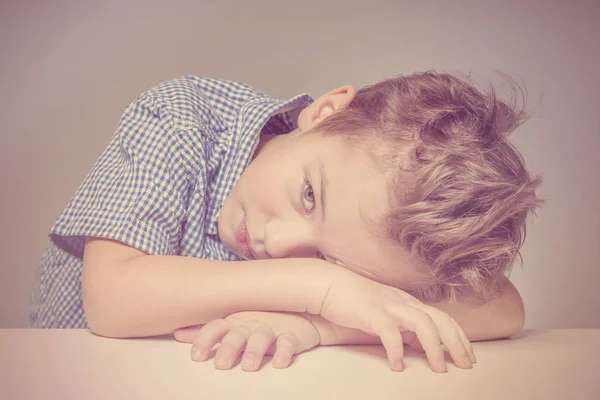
column 262, row 113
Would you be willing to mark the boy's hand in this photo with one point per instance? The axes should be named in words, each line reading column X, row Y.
column 254, row 333
column 360, row 303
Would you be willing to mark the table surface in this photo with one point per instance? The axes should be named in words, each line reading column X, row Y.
column 64, row 364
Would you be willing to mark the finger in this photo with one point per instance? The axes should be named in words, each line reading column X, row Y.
column 285, row 348
column 451, row 339
column 466, row 342
column 450, row 336
column 209, row 335
column 410, row 338
column 231, row 346
column 258, row 343
column 422, row 324
column 391, row 338
column 188, row 334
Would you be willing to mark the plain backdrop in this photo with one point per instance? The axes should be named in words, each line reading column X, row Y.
column 68, row 69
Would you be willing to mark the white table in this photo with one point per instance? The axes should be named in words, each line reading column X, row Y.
column 75, row 364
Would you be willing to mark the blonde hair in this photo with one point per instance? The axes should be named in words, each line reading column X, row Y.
column 462, row 193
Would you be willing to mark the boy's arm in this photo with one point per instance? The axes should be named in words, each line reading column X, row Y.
column 501, row 317
column 127, row 293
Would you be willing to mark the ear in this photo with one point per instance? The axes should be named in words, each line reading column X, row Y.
column 324, row 106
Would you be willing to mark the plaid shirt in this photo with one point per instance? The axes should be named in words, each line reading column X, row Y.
column 160, row 183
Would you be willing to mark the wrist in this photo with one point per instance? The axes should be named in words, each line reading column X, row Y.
column 331, row 334
column 319, row 278
column 325, row 329
column 291, row 284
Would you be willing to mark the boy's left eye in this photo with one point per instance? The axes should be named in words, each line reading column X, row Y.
column 308, row 196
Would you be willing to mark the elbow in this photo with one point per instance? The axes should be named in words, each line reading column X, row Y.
column 101, row 322
column 106, row 287
column 96, row 324
column 108, row 322
column 519, row 317
column 100, row 317
column 514, row 324
column 515, row 317
column 101, row 307
column 504, row 317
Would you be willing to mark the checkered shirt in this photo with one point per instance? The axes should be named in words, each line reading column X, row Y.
column 159, row 184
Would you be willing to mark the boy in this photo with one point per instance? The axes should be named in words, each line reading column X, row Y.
column 341, row 208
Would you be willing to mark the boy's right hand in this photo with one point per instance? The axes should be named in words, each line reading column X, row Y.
column 360, row 303
column 253, row 333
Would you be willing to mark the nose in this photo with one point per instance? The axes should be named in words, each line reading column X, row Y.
column 289, row 239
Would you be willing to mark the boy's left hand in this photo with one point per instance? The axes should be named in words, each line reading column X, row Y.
column 254, row 333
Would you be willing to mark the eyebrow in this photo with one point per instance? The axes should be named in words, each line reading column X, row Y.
column 323, row 185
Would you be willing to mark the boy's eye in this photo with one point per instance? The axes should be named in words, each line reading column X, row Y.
column 308, row 197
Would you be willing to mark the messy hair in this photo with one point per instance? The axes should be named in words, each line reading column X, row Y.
column 461, row 193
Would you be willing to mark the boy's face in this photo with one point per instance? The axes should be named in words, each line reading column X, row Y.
column 306, row 195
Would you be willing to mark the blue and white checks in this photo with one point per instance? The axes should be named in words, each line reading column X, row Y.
column 160, row 183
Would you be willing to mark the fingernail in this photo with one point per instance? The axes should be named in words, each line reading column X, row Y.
column 278, row 362
column 468, row 361
column 197, row 354
column 249, row 360
column 399, row 366
column 442, row 367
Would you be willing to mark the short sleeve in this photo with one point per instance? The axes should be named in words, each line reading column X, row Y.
column 137, row 191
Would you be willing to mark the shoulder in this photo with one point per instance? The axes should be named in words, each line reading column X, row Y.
column 194, row 99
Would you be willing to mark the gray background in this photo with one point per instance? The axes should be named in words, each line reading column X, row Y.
column 69, row 69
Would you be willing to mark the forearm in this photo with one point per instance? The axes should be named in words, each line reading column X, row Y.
column 153, row 295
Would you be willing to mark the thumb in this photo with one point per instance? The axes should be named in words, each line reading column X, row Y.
column 187, row 335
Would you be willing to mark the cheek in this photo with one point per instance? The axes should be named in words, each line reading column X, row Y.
column 269, row 185
column 259, row 189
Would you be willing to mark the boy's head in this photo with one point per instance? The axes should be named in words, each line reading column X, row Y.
column 411, row 182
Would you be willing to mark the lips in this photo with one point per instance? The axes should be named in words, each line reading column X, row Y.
column 243, row 240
